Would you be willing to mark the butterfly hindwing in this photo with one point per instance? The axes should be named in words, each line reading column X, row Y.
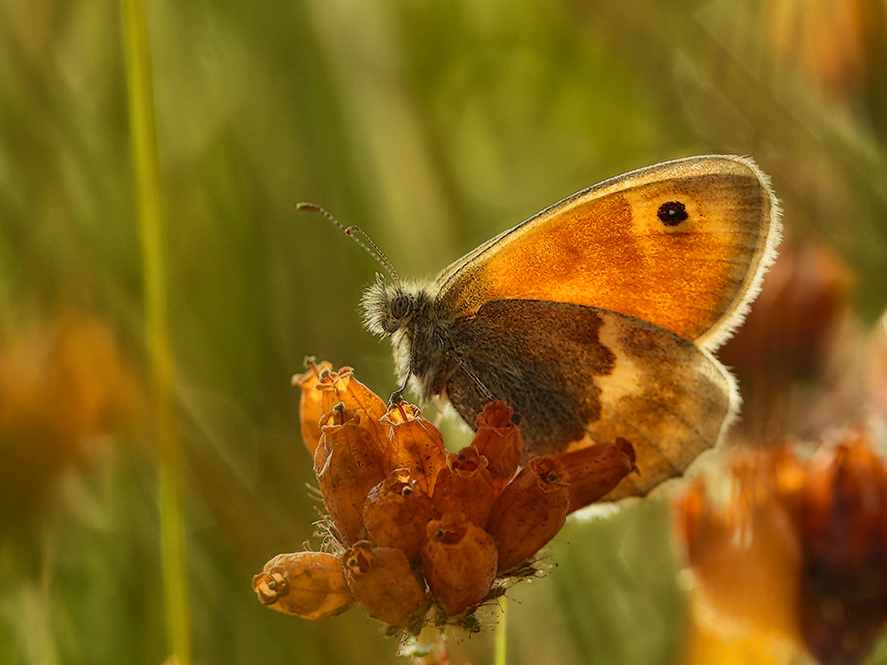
column 614, row 376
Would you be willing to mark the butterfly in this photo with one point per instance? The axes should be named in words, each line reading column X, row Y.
column 598, row 317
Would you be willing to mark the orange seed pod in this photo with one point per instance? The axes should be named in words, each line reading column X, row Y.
column 310, row 409
column 499, row 440
column 341, row 386
column 465, row 486
column 414, row 444
column 348, row 464
column 382, row 580
column 310, row 585
column 396, row 512
column 596, row 470
column 530, row 511
column 459, row 562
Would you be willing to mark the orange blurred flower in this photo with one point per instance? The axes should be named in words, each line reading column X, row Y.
column 61, row 384
column 795, row 554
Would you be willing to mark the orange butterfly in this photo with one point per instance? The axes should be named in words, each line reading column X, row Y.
column 597, row 318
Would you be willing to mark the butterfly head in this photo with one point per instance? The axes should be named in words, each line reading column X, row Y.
column 391, row 308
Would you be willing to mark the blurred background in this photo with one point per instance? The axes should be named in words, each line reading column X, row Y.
column 432, row 125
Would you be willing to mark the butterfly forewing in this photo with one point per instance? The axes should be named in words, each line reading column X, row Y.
column 681, row 244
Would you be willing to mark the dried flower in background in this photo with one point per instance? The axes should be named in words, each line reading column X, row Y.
column 61, row 384
column 795, row 555
column 793, row 355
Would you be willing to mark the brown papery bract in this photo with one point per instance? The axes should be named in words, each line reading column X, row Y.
column 348, row 464
column 499, row 440
column 342, row 387
column 465, row 486
column 382, row 579
column 310, row 585
column 596, row 470
column 530, row 511
column 459, row 561
column 414, row 443
column 310, row 408
column 396, row 511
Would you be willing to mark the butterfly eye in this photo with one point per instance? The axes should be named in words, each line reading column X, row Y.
column 672, row 213
column 400, row 306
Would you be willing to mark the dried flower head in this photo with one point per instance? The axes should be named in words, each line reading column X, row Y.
column 310, row 585
column 342, row 387
column 465, row 486
column 396, row 512
column 384, row 582
column 499, row 440
column 310, row 406
column 797, row 551
column 530, row 511
column 348, row 464
column 422, row 537
column 459, row 561
column 414, row 444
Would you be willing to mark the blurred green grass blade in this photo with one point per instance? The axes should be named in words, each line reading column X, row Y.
column 152, row 233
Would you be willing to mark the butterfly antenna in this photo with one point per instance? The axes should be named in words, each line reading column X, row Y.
column 360, row 237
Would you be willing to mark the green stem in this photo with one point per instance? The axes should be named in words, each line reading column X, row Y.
column 151, row 226
column 502, row 633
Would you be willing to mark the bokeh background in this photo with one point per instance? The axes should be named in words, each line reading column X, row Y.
column 432, row 125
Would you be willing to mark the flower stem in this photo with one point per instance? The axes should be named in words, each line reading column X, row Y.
column 502, row 633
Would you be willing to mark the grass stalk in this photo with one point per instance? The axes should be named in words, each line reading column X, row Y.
column 146, row 172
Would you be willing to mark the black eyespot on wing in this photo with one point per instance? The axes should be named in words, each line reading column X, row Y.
column 400, row 306
column 672, row 213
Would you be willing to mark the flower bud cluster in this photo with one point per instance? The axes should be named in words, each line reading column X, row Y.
column 417, row 527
